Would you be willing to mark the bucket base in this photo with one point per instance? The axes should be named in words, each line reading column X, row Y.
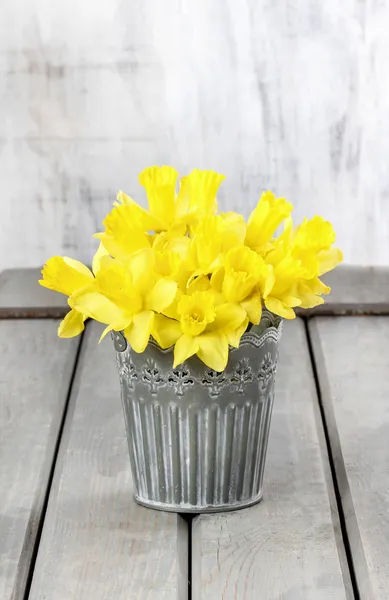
column 196, row 509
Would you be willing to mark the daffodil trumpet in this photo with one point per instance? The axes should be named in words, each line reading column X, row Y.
column 191, row 277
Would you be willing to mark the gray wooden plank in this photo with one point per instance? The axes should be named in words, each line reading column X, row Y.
column 352, row 356
column 21, row 296
column 289, row 546
column 354, row 290
column 96, row 542
column 35, row 373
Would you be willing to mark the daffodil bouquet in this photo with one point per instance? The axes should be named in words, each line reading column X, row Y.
column 189, row 276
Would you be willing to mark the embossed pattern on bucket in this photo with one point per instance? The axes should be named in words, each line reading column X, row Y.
column 197, row 438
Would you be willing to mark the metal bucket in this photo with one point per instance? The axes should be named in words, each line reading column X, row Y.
column 197, row 438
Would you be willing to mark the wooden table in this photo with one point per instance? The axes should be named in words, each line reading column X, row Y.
column 70, row 530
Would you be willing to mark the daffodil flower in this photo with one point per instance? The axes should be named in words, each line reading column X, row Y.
column 314, row 238
column 196, row 196
column 281, row 297
column 204, row 328
column 128, row 225
column 299, row 256
column 65, row 275
column 126, row 297
column 125, row 232
column 244, row 279
column 212, row 238
column 171, row 252
column 265, row 219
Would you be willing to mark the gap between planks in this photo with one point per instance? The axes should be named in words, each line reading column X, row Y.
column 354, row 387
column 96, row 540
column 330, row 453
column 51, row 475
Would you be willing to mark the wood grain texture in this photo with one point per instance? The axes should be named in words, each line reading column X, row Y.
column 96, row 542
column 354, row 290
column 21, row 296
column 353, row 364
column 289, row 546
column 35, row 373
column 302, row 110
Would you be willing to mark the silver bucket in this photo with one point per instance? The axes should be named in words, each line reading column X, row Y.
column 197, row 438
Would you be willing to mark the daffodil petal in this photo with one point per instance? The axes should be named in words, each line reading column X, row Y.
column 235, row 336
column 95, row 305
column 183, row 199
column 111, row 246
column 197, row 274
column 213, row 350
column 329, row 259
column 228, row 318
column 165, row 331
column 71, row 325
column 265, row 219
column 141, row 267
column 199, row 284
column 100, row 253
column 65, row 275
column 318, row 287
column 106, row 330
column 310, row 300
column 138, row 333
column 143, row 218
column 203, row 186
column 253, row 308
column 186, row 346
column 123, row 233
column 162, row 295
column 270, row 281
column 171, row 310
column 290, row 300
column 78, row 266
column 279, row 308
column 160, row 183
column 217, row 279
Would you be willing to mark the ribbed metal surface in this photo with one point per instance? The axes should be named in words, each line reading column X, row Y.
column 197, row 439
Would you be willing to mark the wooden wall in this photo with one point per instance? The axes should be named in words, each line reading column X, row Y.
column 291, row 96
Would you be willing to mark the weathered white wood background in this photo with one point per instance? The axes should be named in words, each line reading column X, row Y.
column 291, row 96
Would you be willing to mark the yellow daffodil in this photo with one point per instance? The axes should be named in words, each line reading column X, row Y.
column 265, row 219
column 244, row 279
column 128, row 225
column 196, row 196
column 126, row 297
column 204, row 328
column 171, row 253
column 100, row 253
column 124, row 232
column 198, row 192
column 281, row 297
column 298, row 258
column 315, row 234
column 212, row 238
column 65, row 275
column 311, row 243
column 160, row 185
column 190, row 277
column 310, row 292
column 72, row 324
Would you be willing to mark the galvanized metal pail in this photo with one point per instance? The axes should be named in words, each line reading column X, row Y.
column 197, row 438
